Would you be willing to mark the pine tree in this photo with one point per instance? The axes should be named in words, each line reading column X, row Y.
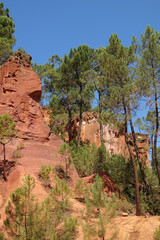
column 121, row 93
column 23, row 213
column 148, row 76
column 82, row 59
column 100, row 83
column 7, row 39
column 70, row 81
column 99, row 206
column 148, row 125
column 7, row 132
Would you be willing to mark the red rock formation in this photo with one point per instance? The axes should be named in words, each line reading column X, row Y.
column 20, row 92
column 110, row 186
column 113, row 139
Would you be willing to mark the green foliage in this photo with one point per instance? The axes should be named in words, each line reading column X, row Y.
column 116, row 166
column 151, row 203
column 7, row 132
column 65, row 150
column 70, row 227
column 67, row 83
column 20, row 146
column 7, row 39
column 26, row 219
column 81, row 188
column 44, row 172
column 22, row 221
column 59, row 196
column 2, row 236
column 58, row 124
column 57, row 208
column 7, row 128
column 124, row 206
column 148, row 63
column 100, row 207
column 49, row 173
column 61, row 173
column 84, row 158
column 22, row 51
column 16, row 154
column 148, row 79
column 102, row 155
column 156, row 235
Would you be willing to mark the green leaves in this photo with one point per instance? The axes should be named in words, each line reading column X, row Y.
column 7, row 128
column 22, row 211
column 7, row 39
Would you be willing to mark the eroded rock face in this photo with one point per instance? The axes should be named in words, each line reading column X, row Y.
column 109, row 185
column 113, row 139
column 20, row 93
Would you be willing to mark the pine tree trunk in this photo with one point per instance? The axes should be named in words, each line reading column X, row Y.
column 100, row 116
column 152, row 152
column 80, row 116
column 80, row 122
column 138, row 206
column 70, row 122
column 4, row 163
column 137, row 151
column 155, row 138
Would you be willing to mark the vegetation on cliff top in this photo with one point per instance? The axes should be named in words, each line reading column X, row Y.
column 7, row 39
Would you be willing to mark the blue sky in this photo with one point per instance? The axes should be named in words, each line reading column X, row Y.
column 44, row 28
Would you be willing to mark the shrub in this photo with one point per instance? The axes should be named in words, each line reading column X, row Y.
column 58, row 124
column 156, row 235
column 16, row 154
column 2, row 236
column 84, row 158
column 65, row 150
column 116, row 167
column 20, row 146
column 70, row 228
column 59, row 170
column 44, row 172
column 125, row 206
column 81, row 188
column 102, row 156
column 150, row 203
column 100, row 207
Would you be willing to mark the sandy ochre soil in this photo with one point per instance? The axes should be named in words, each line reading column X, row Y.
column 137, row 228
column 127, row 228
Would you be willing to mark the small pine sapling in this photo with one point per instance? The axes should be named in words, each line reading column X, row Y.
column 65, row 151
column 7, row 132
column 59, row 198
column 156, row 235
column 23, row 213
column 99, row 206
column 81, row 188
column 70, row 228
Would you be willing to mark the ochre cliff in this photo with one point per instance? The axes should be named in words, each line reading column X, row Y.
column 114, row 140
column 20, row 92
